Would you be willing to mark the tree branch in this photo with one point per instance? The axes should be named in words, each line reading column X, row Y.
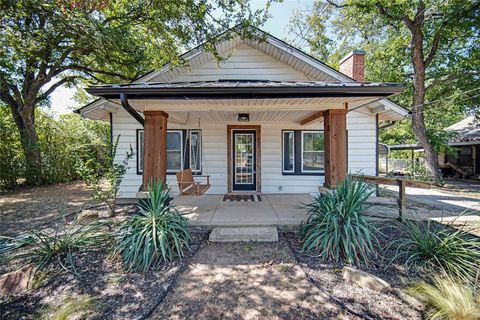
column 90, row 71
column 54, row 86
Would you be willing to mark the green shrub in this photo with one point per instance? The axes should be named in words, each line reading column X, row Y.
column 105, row 178
column 64, row 141
column 429, row 245
column 336, row 227
column 62, row 245
column 448, row 298
column 156, row 233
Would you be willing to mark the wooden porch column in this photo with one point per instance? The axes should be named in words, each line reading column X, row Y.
column 155, row 147
column 335, row 130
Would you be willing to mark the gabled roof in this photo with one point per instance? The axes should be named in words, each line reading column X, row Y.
column 466, row 130
column 313, row 68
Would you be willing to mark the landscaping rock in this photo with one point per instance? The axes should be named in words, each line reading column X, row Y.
column 365, row 279
column 87, row 216
column 17, row 281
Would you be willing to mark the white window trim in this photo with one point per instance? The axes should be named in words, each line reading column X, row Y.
column 315, row 171
column 200, row 146
column 181, row 151
column 140, row 146
column 283, row 151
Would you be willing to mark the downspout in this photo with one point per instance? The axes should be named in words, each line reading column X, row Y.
column 130, row 110
column 136, row 116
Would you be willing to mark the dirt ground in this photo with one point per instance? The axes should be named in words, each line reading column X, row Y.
column 245, row 281
column 265, row 281
column 117, row 294
column 34, row 207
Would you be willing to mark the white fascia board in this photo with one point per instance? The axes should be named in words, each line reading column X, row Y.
column 188, row 56
column 309, row 60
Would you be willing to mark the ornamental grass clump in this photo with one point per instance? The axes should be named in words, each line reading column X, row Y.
column 61, row 247
column 156, row 233
column 337, row 228
column 431, row 246
column 448, row 298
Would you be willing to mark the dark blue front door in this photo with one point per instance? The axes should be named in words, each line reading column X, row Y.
column 244, row 160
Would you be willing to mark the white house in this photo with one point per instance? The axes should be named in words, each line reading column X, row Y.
column 267, row 119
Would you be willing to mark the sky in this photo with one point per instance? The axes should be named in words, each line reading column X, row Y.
column 62, row 98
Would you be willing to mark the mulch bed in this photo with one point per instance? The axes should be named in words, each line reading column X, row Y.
column 365, row 303
column 119, row 295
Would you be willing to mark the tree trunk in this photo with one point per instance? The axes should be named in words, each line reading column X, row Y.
column 25, row 121
column 418, row 121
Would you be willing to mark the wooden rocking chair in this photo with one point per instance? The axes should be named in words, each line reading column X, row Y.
column 188, row 186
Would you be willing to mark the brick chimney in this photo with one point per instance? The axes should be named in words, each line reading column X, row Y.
column 353, row 65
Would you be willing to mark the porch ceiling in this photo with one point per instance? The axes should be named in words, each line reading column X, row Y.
column 184, row 117
column 250, row 104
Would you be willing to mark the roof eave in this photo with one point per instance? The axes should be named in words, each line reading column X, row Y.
column 222, row 92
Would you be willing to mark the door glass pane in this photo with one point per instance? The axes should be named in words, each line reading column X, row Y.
column 244, row 166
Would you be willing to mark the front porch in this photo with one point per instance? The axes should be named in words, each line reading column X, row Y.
column 208, row 211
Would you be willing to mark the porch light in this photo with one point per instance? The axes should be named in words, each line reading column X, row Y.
column 243, row 117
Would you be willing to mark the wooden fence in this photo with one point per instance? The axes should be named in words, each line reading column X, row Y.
column 401, row 183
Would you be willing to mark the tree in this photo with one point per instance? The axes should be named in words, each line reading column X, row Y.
column 47, row 44
column 432, row 46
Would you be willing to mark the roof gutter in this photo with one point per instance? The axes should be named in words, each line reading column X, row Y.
column 244, row 92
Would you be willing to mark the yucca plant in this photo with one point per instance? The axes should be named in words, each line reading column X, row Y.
column 337, row 228
column 448, row 298
column 61, row 246
column 429, row 245
column 156, row 233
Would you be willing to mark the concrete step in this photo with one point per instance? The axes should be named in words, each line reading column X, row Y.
column 244, row 234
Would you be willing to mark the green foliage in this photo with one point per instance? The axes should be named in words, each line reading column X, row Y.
column 448, row 298
column 66, row 142
column 429, row 245
column 11, row 157
column 71, row 307
column 156, row 233
column 60, row 247
column 105, row 179
column 47, row 44
column 336, row 227
column 452, row 77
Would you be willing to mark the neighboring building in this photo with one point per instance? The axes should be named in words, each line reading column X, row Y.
column 269, row 118
column 465, row 162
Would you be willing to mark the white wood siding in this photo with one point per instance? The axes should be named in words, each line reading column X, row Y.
column 361, row 143
column 361, row 153
column 244, row 63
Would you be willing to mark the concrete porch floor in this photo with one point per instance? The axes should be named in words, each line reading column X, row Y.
column 208, row 211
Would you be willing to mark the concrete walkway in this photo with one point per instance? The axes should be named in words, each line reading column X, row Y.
column 245, row 281
column 450, row 203
column 208, row 211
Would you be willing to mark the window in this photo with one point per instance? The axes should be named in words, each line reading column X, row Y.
column 195, row 150
column 312, row 151
column 288, row 151
column 140, row 139
column 174, row 151
column 176, row 159
column 303, row 152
